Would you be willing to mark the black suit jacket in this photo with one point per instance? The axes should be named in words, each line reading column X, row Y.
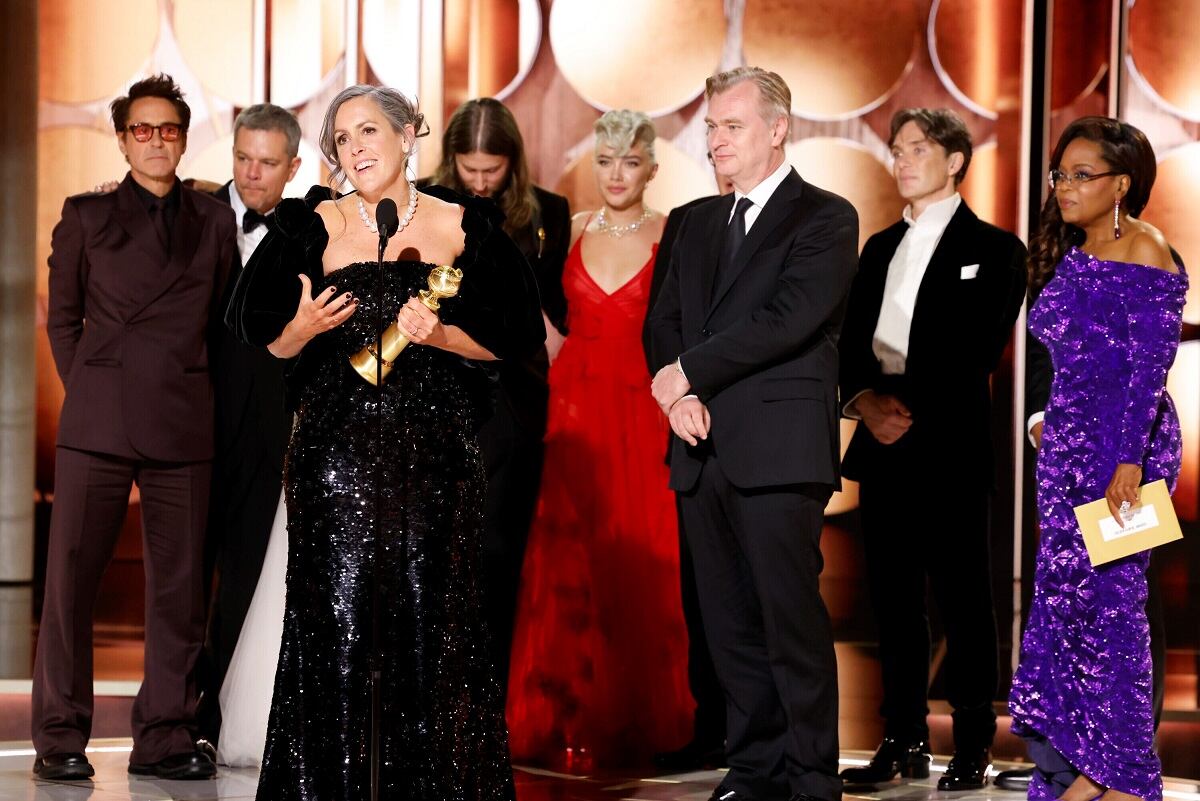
column 760, row 349
column 252, row 419
column 662, row 259
column 960, row 327
column 129, row 325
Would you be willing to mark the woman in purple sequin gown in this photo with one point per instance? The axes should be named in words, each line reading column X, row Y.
column 1110, row 313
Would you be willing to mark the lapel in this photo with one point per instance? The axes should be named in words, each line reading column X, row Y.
column 943, row 273
column 775, row 212
column 222, row 194
column 185, row 237
column 131, row 215
column 711, row 253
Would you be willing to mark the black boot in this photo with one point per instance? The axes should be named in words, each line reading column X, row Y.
column 968, row 770
column 910, row 760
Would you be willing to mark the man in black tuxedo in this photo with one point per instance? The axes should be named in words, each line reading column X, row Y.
column 707, row 746
column 930, row 313
column 746, row 358
column 252, row 422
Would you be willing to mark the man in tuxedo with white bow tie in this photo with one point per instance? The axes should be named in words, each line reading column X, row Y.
column 930, row 313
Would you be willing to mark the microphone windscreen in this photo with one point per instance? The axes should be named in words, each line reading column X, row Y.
column 386, row 217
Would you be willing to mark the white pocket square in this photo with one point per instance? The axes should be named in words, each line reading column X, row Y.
column 968, row 271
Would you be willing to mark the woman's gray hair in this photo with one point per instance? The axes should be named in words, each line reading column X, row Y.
column 397, row 109
column 621, row 129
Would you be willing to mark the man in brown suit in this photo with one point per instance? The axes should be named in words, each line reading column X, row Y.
column 135, row 280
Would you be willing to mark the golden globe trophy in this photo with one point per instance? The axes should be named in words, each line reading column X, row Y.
column 443, row 283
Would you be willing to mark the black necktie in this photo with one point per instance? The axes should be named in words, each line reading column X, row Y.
column 735, row 234
column 158, row 216
column 251, row 220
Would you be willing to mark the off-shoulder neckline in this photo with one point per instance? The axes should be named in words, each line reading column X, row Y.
column 1098, row 260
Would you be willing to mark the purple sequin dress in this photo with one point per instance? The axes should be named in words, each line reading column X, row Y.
column 1082, row 695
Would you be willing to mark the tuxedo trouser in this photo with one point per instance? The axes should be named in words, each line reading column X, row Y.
column 512, row 458
column 245, row 497
column 708, row 722
column 91, row 496
column 757, row 561
column 922, row 530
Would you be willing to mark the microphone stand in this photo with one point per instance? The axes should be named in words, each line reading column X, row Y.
column 387, row 221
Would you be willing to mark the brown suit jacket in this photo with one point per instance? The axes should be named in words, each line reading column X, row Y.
column 129, row 327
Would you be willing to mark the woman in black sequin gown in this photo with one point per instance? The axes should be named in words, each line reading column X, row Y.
column 443, row 735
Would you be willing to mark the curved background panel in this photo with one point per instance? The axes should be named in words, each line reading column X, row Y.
column 1162, row 43
column 308, row 40
column 848, row 169
column 979, row 187
column 71, row 68
column 216, row 38
column 1172, row 208
column 975, row 46
column 1080, row 51
column 840, row 58
column 650, row 55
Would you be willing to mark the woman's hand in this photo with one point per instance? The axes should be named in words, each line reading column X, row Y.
column 314, row 315
column 1123, row 488
column 421, row 324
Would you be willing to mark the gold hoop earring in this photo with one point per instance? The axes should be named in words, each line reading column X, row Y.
column 1117, row 218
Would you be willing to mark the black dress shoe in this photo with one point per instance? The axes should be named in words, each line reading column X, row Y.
column 967, row 770
column 908, row 759
column 693, row 756
column 1017, row 779
column 188, row 765
column 63, row 767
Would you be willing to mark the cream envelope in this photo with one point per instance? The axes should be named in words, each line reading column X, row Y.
column 1153, row 523
column 968, row 271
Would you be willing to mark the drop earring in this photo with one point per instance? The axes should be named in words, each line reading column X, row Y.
column 1117, row 218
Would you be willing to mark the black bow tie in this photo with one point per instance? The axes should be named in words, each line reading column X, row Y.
column 251, row 220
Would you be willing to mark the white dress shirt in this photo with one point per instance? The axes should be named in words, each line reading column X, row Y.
column 905, row 273
column 760, row 194
column 246, row 243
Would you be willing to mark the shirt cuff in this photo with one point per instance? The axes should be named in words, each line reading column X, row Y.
column 849, row 411
column 679, row 367
column 1033, row 420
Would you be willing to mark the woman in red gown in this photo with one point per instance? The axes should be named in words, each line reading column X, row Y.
column 600, row 649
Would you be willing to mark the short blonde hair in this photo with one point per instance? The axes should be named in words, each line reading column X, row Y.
column 621, row 129
column 776, row 97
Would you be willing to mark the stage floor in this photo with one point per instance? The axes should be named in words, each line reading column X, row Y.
column 113, row 783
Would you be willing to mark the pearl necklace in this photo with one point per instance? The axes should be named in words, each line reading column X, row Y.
column 603, row 226
column 404, row 221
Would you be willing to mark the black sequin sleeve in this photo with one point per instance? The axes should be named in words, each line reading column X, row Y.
column 497, row 304
column 268, row 290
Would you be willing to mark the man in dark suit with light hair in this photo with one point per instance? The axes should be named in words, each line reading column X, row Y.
column 745, row 349
column 931, row 311
column 135, row 281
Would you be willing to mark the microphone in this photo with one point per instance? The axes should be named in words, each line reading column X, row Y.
column 387, row 220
